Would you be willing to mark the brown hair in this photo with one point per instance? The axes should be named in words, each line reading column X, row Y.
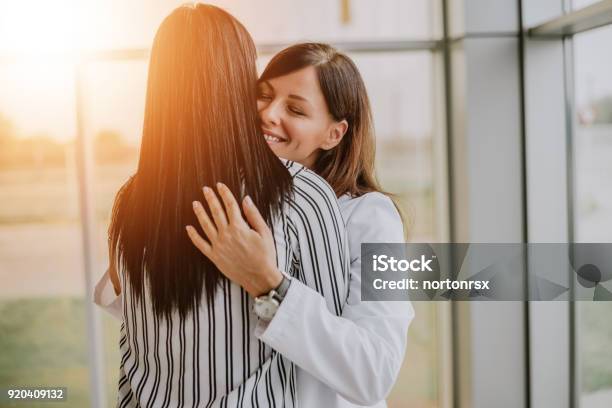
column 348, row 167
column 200, row 127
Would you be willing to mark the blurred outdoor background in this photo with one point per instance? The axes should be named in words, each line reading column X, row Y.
column 72, row 86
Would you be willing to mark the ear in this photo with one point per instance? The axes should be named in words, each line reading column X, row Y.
column 335, row 134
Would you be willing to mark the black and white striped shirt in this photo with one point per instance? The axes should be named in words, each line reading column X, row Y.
column 212, row 358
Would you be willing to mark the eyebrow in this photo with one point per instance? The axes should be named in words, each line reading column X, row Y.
column 298, row 97
column 292, row 96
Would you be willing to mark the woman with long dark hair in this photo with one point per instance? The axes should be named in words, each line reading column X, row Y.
column 314, row 109
column 187, row 332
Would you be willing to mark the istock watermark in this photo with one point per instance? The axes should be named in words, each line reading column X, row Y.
column 383, row 263
column 483, row 271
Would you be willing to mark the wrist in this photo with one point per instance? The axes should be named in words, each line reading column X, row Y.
column 271, row 280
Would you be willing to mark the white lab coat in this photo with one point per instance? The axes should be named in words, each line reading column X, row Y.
column 347, row 361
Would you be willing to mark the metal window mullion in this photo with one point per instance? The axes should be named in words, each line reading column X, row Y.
column 576, row 21
column 449, row 369
column 363, row 46
column 524, row 189
column 574, row 354
column 84, row 166
column 549, row 212
column 262, row 48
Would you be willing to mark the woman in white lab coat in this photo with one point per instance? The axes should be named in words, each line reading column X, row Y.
column 314, row 110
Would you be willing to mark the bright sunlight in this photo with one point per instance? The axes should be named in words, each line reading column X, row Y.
column 37, row 27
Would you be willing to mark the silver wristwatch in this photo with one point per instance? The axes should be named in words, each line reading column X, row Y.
column 265, row 306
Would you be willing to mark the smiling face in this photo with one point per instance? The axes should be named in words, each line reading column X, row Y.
column 295, row 118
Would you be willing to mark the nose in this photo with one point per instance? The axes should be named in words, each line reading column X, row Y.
column 270, row 114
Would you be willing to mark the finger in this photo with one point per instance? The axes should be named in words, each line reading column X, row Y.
column 217, row 211
column 198, row 241
column 204, row 220
column 254, row 217
column 231, row 205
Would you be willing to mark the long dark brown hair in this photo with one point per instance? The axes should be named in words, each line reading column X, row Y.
column 348, row 167
column 200, row 127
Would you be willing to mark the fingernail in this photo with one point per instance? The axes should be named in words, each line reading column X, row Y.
column 206, row 190
column 220, row 185
column 248, row 200
column 196, row 204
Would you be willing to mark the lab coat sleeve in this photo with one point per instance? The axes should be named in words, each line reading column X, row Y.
column 359, row 353
column 106, row 298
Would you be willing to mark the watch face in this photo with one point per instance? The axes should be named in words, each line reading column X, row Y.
column 265, row 308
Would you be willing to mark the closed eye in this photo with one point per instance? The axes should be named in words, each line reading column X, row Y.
column 296, row 111
column 264, row 97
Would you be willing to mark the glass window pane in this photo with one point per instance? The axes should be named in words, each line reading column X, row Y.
column 593, row 204
column 578, row 4
column 273, row 21
column 40, row 235
column 400, row 87
column 113, row 24
column 42, row 315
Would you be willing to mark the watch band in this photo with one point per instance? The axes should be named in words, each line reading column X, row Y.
column 283, row 287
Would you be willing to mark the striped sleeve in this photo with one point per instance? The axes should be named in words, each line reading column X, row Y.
column 318, row 231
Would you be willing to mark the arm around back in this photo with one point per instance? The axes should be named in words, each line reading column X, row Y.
column 359, row 352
